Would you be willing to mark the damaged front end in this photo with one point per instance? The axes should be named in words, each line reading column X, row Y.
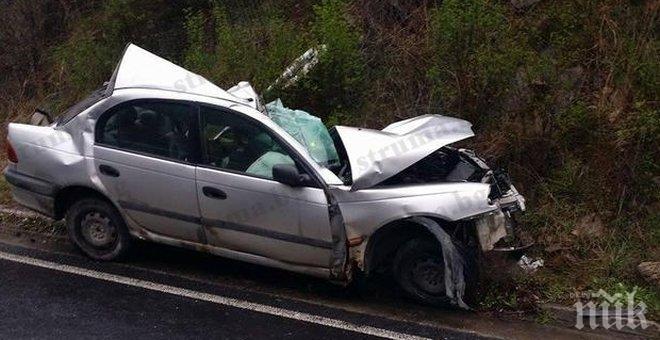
column 497, row 230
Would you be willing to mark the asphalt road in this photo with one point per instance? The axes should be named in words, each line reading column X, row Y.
column 44, row 295
column 44, row 303
column 49, row 290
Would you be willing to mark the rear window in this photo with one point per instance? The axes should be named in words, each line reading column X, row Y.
column 82, row 105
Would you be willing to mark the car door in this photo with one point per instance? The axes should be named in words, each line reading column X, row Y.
column 144, row 153
column 243, row 208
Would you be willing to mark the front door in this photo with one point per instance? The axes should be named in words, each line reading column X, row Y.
column 243, row 208
column 144, row 154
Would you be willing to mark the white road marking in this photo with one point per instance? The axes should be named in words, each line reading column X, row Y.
column 220, row 300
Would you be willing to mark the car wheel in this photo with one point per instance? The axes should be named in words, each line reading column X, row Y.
column 97, row 228
column 419, row 269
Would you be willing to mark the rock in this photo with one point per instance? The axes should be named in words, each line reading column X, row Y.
column 650, row 271
column 589, row 225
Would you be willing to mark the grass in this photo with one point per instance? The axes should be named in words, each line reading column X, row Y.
column 5, row 192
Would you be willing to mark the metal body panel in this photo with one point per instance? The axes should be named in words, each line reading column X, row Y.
column 146, row 189
column 378, row 155
column 258, row 214
column 321, row 272
column 367, row 210
column 139, row 68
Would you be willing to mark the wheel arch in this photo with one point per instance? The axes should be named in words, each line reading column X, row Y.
column 392, row 234
column 386, row 240
column 68, row 195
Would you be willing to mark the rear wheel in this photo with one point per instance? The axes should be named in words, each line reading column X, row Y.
column 97, row 228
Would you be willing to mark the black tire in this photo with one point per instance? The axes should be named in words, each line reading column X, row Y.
column 98, row 229
column 419, row 268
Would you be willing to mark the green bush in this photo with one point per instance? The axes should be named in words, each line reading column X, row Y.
column 196, row 57
column 335, row 87
column 89, row 54
column 577, row 125
column 254, row 47
column 476, row 55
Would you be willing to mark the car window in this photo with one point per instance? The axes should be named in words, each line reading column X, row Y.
column 235, row 143
column 163, row 129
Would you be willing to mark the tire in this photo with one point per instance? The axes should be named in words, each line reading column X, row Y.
column 419, row 270
column 98, row 229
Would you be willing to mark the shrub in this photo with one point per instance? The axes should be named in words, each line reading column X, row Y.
column 97, row 40
column 577, row 125
column 229, row 46
column 335, row 87
column 476, row 55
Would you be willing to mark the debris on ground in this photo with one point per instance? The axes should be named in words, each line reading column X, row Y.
column 529, row 265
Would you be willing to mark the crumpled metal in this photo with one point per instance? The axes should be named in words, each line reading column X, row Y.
column 376, row 155
column 454, row 262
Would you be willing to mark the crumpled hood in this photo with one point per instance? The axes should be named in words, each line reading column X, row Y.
column 378, row 155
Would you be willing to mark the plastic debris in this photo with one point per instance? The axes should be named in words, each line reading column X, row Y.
column 529, row 265
column 298, row 68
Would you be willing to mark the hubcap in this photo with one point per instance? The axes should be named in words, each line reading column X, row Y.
column 428, row 274
column 98, row 230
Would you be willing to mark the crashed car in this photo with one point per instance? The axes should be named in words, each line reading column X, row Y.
column 161, row 154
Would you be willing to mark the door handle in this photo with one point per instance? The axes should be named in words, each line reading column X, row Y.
column 108, row 170
column 214, row 193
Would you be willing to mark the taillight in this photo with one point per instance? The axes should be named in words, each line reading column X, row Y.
column 11, row 153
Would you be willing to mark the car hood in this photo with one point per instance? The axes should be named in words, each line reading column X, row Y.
column 376, row 155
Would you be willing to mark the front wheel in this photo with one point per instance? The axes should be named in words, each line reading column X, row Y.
column 97, row 228
column 419, row 269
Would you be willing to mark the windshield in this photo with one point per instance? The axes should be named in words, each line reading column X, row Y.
column 310, row 131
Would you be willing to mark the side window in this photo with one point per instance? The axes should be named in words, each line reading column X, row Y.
column 163, row 129
column 237, row 144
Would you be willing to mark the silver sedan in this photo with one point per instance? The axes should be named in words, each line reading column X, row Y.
column 161, row 154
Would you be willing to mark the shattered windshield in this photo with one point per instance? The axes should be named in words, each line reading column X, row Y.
column 309, row 131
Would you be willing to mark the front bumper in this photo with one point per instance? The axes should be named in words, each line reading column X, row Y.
column 498, row 230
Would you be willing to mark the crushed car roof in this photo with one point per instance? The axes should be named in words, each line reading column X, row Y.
column 139, row 68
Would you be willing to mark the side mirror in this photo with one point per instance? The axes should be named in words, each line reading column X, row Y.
column 41, row 118
column 288, row 174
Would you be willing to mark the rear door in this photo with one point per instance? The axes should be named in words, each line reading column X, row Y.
column 145, row 152
column 243, row 208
